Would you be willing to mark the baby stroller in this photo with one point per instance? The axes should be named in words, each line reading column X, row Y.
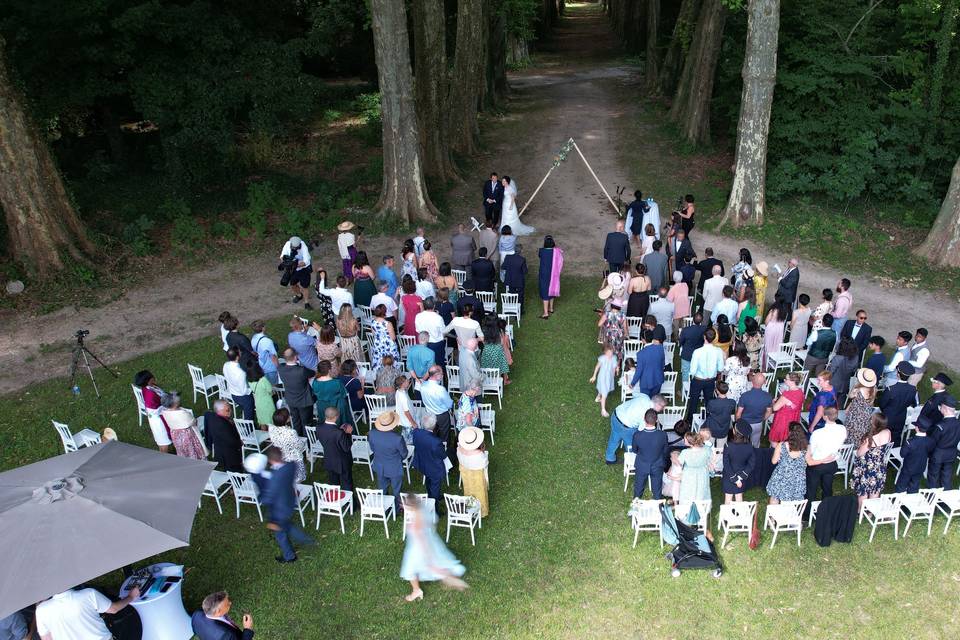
column 692, row 549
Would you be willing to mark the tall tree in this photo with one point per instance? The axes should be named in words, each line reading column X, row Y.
column 679, row 43
column 748, row 194
column 935, row 97
column 691, row 104
column 404, row 192
column 652, row 67
column 496, row 74
column 942, row 245
column 42, row 225
column 468, row 71
column 431, row 87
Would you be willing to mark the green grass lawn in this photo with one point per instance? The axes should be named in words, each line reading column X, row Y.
column 554, row 558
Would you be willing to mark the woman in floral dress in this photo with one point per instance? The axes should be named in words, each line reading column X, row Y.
column 349, row 330
column 384, row 340
column 789, row 478
column 285, row 438
column 428, row 261
column 857, row 418
column 869, row 467
column 736, row 370
column 613, row 329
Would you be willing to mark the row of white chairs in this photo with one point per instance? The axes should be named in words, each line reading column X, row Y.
column 492, row 382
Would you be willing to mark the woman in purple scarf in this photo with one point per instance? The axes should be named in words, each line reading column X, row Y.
column 551, row 264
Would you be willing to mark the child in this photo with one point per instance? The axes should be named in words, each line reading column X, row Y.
column 709, row 443
column 695, row 484
column 720, row 411
column 673, row 475
column 649, row 235
column 650, row 446
column 629, row 368
column 605, row 375
column 738, row 462
column 418, row 241
column 468, row 412
column 915, row 454
column 505, row 340
column 408, row 421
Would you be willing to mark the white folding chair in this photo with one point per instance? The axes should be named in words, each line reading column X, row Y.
column 252, row 438
column 460, row 275
column 686, row 321
column 462, row 511
column 74, row 441
column 669, row 348
column 141, row 407
column 629, row 469
column 882, row 510
column 376, row 507
column 645, row 516
column 223, row 392
column 670, row 416
column 429, row 508
column 895, row 460
column 510, row 306
column 304, row 500
column 245, row 490
column 669, row 387
column 509, row 330
column 768, row 379
column 453, row 379
column 365, row 374
column 218, row 480
column 844, row 458
column 488, row 299
column 786, row 516
column 631, row 348
column 782, row 359
column 736, row 517
column 919, row 506
column 476, row 225
column 488, row 419
column 205, row 385
column 681, row 510
column 626, row 392
column 949, row 505
column 493, row 384
column 634, row 327
column 333, row 501
column 405, row 343
column 314, row 448
column 361, row 452
column 376, row 405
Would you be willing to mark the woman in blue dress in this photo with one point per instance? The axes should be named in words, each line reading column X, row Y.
column 426, row 557
column 551, row 264
column 695, row 459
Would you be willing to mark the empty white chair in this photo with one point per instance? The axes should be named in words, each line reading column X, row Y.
column 669, row 348
column 218, row 485
column 844, row 458
column 493, row 384
column 786, row 516
column 919, row 506
column 304, row 500
column 510, row 305
column 686, row 321
column 681, row 510
column 782, row 359
column 361, row 452
column 141, row 406
column 253, row 439
column 333, row 501
column 631, row 348
column 629, row 469
column 376, row 507
column 462, row 511
column 376, row 405
column 453, row 379
column 314, row 448
column 205, row 385
column 488, row 419
column 670, row 416
column 476, row 225
column 460, row 275
column 488, row 299
column 405, row 343
column 626, row 392
column 245, row 490
column 74, row 441
column 949, row 505
column 882, row 510
column 429, row 507
column 669, row 387
column 365, row 373
column 895, row 460
column 736, row 517
column 645, row 516
column 634, row 326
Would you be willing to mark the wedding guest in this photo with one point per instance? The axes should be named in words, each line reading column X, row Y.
column 650, row 446
column 213, row 621
column 738, row 462
column 788, row 482
column 551, row 264
column 474, row 463
column 182, row 425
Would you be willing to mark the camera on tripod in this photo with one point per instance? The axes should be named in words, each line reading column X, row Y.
column 288, row 265
column 81, row 334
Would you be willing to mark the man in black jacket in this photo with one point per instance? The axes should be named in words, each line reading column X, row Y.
column 213, row 621
column 946, row 436
column 705, row 267
column 483, row 272
column 859, row 331
column 515, row 274
column 222, row 436
column 896, row 399
column 679, row 249
column 616, row 249
column 337, row 442
column 296, row 390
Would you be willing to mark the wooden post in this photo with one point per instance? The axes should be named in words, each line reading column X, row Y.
column 612, row 204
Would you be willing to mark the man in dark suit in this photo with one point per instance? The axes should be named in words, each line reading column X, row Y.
column 297, row 393
column 222, row 437
column 493, row 200
column 278, row 493
column 213, row 621
column 859, row 331
column 688, row 272
column 705, row 267
column 469, row 288
column 515, row 274
column 483, row 272
column 930, row 411
column 789, row 282
column 691, row 339
column 650, row 445
column 616, row 248
column 337, row 443
column 429, row 456
column 656, row 264
column 895, row 401
column 389, row 451
column 680, row 249
column 648, row 377
column 946, row 436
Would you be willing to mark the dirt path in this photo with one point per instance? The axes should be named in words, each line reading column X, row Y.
column 578, row 89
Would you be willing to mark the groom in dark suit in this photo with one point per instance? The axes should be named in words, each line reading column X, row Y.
column 492, row 200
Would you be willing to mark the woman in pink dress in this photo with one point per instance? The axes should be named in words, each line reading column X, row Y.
column 679, row 295
column 786, row 409
column 412, row 305
column 776, row 324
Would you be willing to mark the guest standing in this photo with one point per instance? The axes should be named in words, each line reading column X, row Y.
column 337, row 443
column 650, row 446
column 869, row 466
column 278, row 492
column 389, row 451
column 551, row 265
column 473, row 461
column 738, row 462
column 786, row 409
column 788, row 482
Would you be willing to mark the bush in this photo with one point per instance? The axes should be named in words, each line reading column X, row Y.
column 262, row 199
column 138, row 235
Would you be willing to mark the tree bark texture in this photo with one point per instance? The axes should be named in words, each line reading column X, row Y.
column 691, row 106
column 747, row 201
column 467, row 81
column 431, row 86
column 42, row 226
column 518, row 50
column 496, row 75
column 935, row 98
column 404, row 192
column 679, row 43
column 942, row 245
column 652, row 68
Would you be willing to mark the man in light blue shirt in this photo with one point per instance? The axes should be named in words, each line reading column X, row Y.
column 420, row 357
column 266, row 350
column 385, row 272
column 303, row 343
column 437, row 401
column 626, row 419
column 705, row 365
column 727, row 307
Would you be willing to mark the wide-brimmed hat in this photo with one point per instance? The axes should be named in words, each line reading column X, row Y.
column 867, row 377
column 470, row 438
column 386, row 421
column 615, row 280
column 763, row 268
column 605, row 293
column 346, row 225
column 255, row 463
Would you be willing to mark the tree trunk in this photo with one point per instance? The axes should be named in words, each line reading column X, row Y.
column 404, row 193
column 652, row 63
column 679, row 44
column 691, row 106
column 497, row 86
column 942, row 245
column 431, row 85
column 467, row 80
column 42, row 226
column 518, row 51
column 748, row 194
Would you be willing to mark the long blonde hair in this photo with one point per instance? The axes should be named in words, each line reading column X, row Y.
column 346, row 319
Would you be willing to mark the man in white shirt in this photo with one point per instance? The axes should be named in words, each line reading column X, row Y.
column 726, row 307
column 237, row 383
column 296, row 249
column 430, row 322
column 825, row 442
column 465, row 328
column 75, row 615
column 346, row 245
column 919, row 354
column 902, row 354
column 713, row 290
column 339, row 295
column 418, row 241
column 383, row 297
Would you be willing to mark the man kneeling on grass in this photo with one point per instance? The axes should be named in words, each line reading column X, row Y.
column 626, row 419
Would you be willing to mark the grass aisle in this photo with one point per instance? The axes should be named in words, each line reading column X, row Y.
column 553, row 560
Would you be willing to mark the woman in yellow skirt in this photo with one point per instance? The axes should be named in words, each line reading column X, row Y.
column 473, row 466
column 760, row 287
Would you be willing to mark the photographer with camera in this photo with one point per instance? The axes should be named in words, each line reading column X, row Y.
column 295, row 268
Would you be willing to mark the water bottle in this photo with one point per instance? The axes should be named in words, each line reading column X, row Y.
column 76, row 389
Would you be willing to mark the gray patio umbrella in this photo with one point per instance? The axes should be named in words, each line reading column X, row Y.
column 69, row 519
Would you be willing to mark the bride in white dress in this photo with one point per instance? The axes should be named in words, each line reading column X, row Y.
column 510, row 217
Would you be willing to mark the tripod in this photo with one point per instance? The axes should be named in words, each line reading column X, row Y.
column 80, row 351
